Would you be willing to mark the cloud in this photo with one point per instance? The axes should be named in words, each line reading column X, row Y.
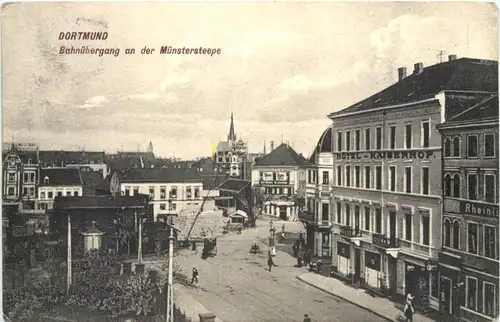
column 146, row 96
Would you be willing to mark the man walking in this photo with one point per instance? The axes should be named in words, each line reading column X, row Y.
column 270, row 262
column 195, row 275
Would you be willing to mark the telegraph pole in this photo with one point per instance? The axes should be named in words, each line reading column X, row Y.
column 68, row 281
column 139, row 253
column 170, row 293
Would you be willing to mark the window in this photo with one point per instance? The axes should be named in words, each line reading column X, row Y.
column 163, row 192
column 489, row 299
column 163, row 206
column 12, row 177
column 339, row 212
column 378, row 177
column 68, row 193
column 75, row 193
column 447, row 185
column 172, row 206
column 472, row 186
column 357, row 222
column 408, row 136
column 379, row 138
column 10, row 191
column 471, row 289
column 378, row 220
column 392, row 137
column 152, row 192
column 456, row 186
column 367, row 218
column 425, row 230
column 456, row 235
column 357, row 139
column 489, row 187
column 408, row 226
column 367, row 139
column 136, row 191
column 447, row 147
column 356, row 176
column 472, row 146
column 339, row 141
column 347, row 215
column 447, row 233
column 339, row 175
column 173, row 193
column 50, row 195
column 42, row 195
column 456, row 146
column 367, row 177
column 489, row 145
column 188, row 192
column 196, row 192
column 425, row 180
column 472, row 238
column 408, row 182
column 325, row 177
column 29, row 177
column 425, row 134
column 392, row 178
column 490, row 240
column 127, row 191
column 348, row 176
column 325, row 212
column 46, row 180
column 348, row 140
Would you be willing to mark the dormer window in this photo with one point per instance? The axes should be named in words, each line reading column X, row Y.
column 29, row 160
column 46, row 180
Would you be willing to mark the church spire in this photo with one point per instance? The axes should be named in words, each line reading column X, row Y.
column 150, row 147
column 231, row 136
column 264, row 147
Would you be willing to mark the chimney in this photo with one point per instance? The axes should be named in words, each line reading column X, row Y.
column 452, row 57
column 419, row 67
column 402, row 72
column 272, row 146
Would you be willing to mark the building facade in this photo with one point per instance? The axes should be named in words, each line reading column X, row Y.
column 75, row 159
column 232, row 155
column 171, row 190
column 387, row 202
column 58, row 182
column 468, row 263
column 317, row 213
column 278, row 175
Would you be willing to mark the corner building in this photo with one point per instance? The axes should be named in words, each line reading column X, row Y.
column 468, row 263
column 386, row 179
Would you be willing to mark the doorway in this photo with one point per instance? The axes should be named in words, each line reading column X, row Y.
column 357, row 265
column 392, row 228
column 393, row 274
column 446, row 296
column 283, row 213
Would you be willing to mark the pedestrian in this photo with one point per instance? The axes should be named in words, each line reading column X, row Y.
column 270, row 262
column 195, row 275
column 307, row 257
column 295, row 250
column 408, row 309
column 307, row 318
column 239, row 230
column 283, row 228
column 299, row 261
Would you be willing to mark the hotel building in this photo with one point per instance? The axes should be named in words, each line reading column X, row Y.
column 468, row 263
column 387, row 164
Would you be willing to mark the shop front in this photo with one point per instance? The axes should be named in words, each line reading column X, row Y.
column 324, row 249
column 372, row 269
column 449, row 276
column 343, row 258
column 422, row 282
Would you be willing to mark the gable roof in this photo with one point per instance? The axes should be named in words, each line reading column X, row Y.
column 283, row 155
column 93, row 179
column 177, row 175
column 486, row 110
column 61, row 177
column 463, row 74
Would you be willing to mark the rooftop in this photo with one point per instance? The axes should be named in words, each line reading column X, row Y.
column 486, row 110
column 177, row 175
column 233, row 184
column 72, row 157
column 60, row 177
column 96, row 202
column 464, row 74
column 283, row 155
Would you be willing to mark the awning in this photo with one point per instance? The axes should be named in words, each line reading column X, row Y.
column 282, row 203
column 239, row 213
column 306, row 217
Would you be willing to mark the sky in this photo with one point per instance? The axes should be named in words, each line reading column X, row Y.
column 282, row 69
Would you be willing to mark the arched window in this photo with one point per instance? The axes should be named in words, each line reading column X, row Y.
column 46, row 180
column 456, row 146
column 456, row 186
column 447, row 147
column 447, row 233
column 447, row 185
column 456, row 234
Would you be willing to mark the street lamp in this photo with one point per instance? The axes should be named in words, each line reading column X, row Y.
column 272, row 231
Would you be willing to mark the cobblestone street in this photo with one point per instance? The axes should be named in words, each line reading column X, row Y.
column 236, row 285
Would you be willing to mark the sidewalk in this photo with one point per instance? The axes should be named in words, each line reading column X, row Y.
column 377, row 305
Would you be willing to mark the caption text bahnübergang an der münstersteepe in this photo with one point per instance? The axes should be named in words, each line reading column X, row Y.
column 102, row 51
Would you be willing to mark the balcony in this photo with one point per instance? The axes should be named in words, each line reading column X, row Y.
column 323, row 224
column 391, row 245
column 349, row 232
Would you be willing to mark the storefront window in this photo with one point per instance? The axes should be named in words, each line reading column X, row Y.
column 434, row 284
column 489, row 299
column 471, row 291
